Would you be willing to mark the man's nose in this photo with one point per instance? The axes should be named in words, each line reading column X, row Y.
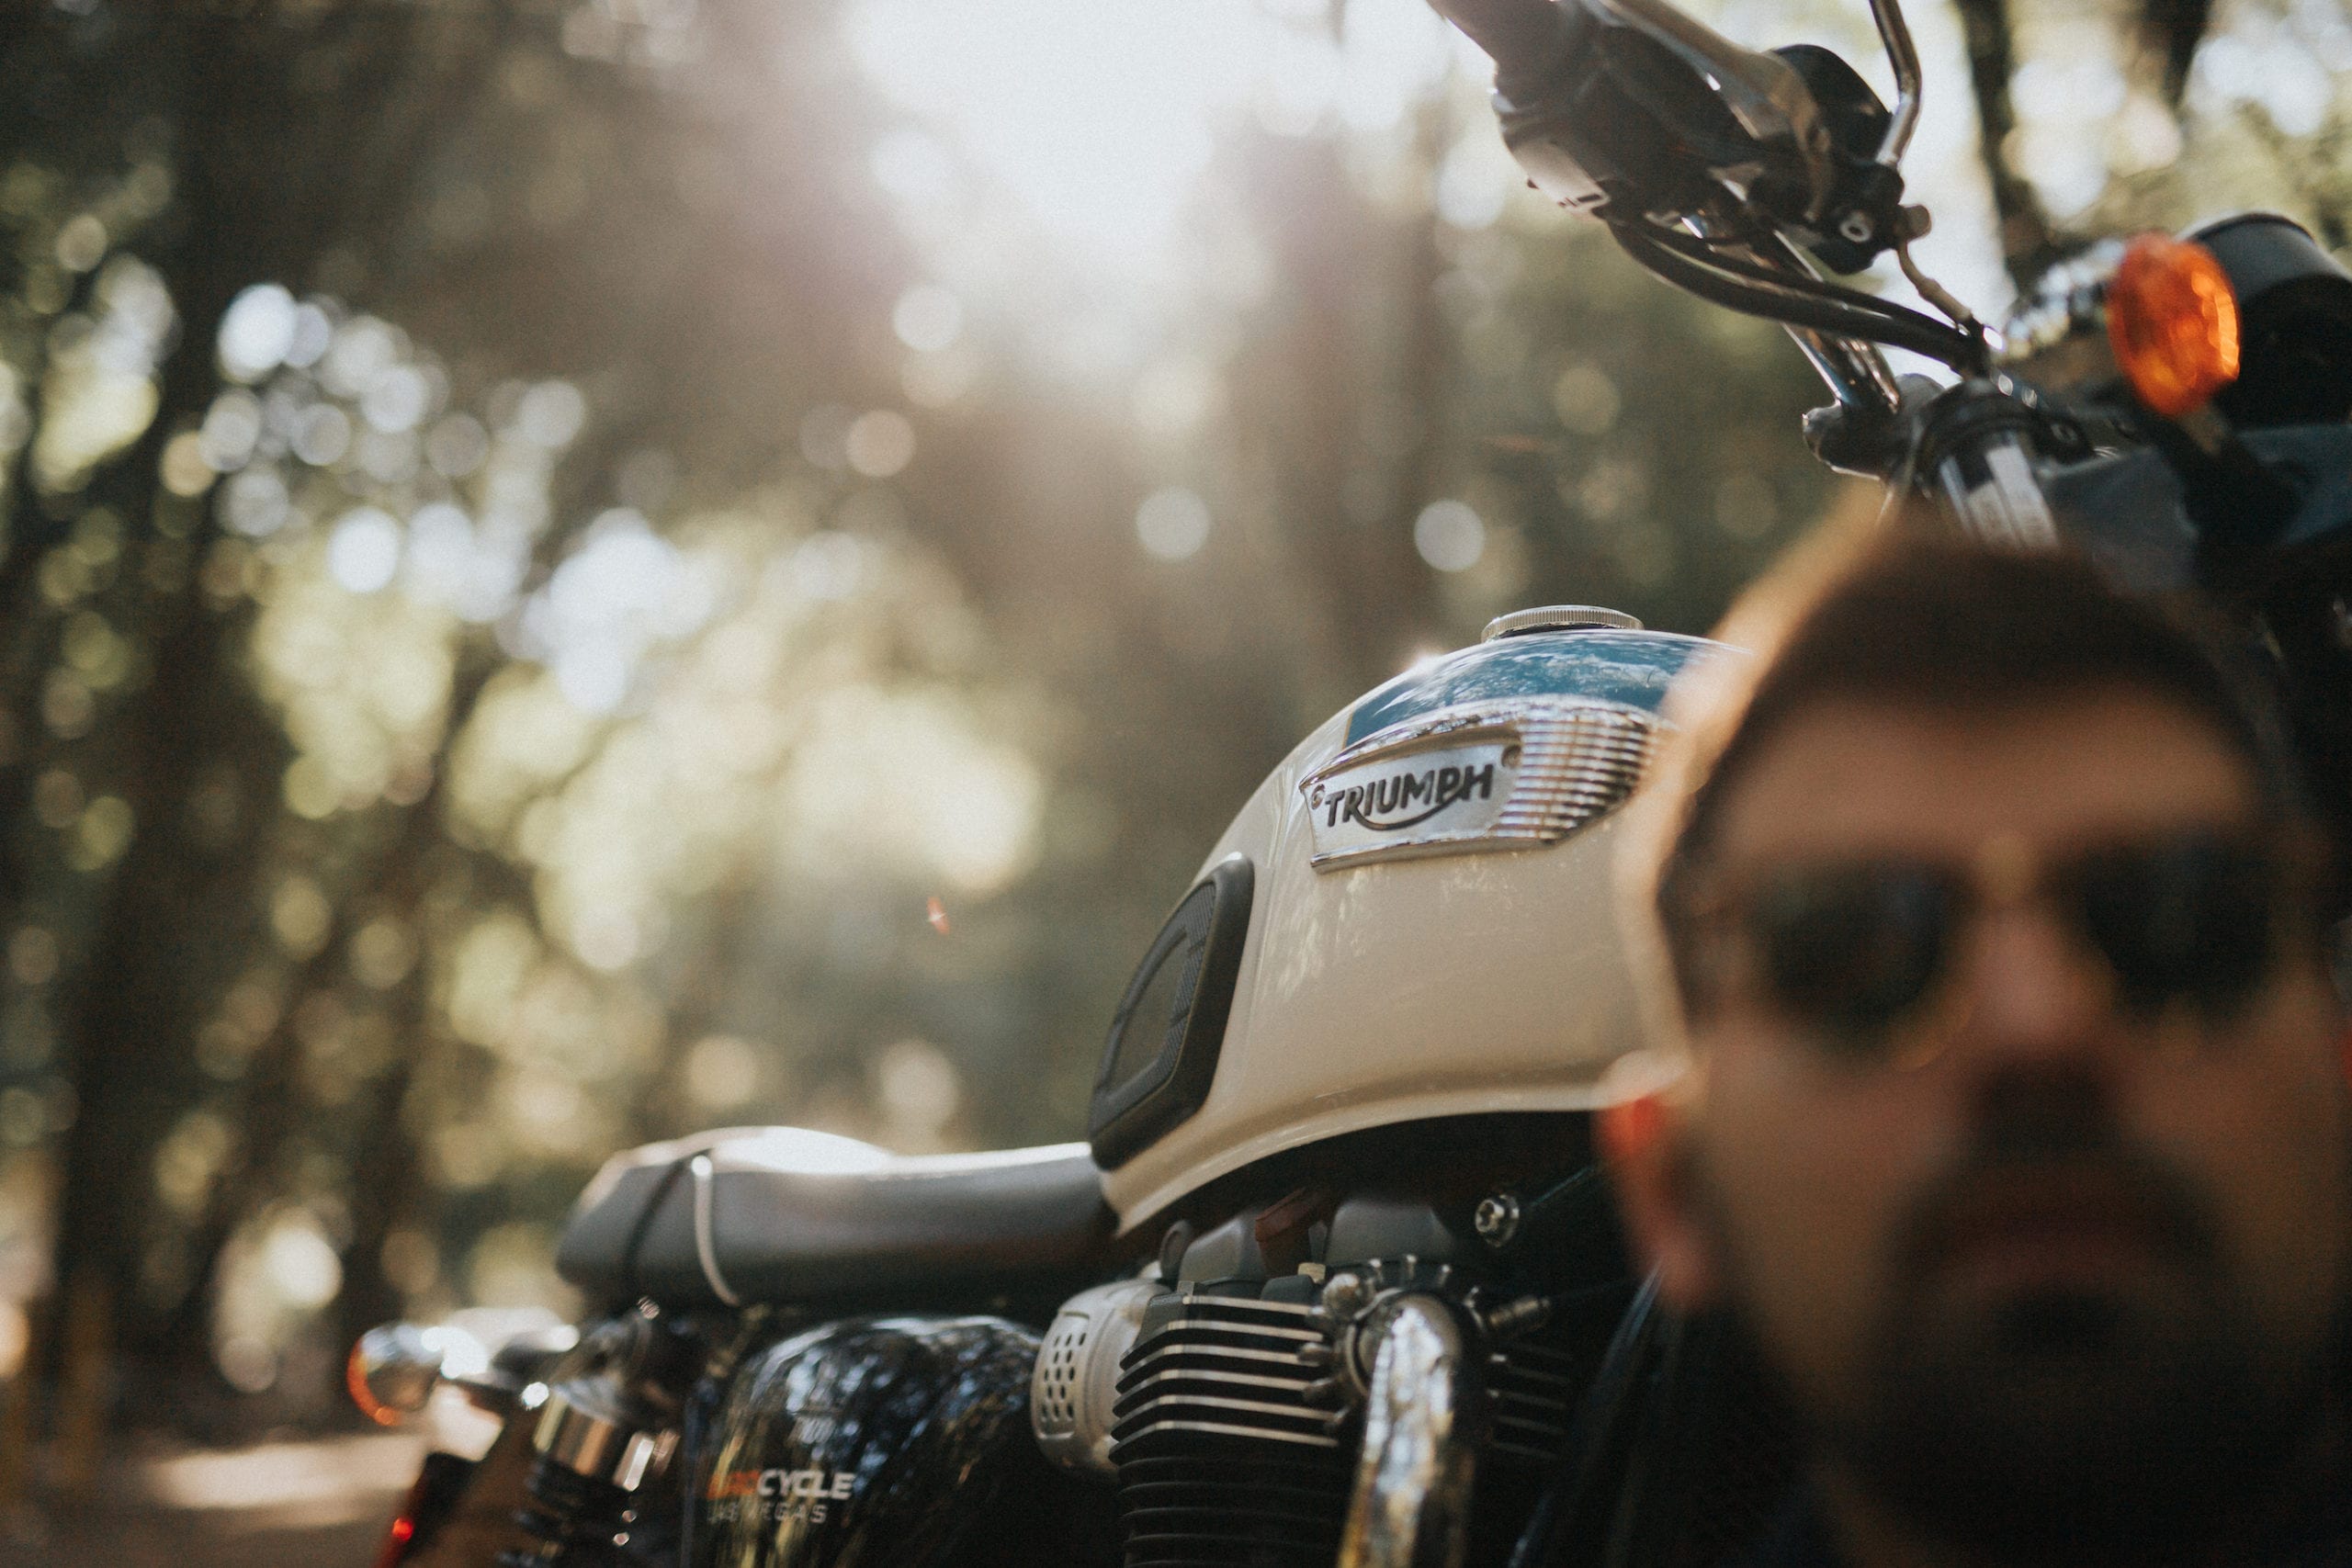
column 2031, row 990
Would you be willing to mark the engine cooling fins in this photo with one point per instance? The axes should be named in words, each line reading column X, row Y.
column 1235, row 1429
column 1233, row 1366
column 1219, row 1504
column 1532, row 1390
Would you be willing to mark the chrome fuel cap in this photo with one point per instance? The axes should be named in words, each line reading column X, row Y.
column 1557, row 618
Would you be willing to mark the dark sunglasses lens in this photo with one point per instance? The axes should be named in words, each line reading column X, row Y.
column 1852, row 950
column 2188, row 921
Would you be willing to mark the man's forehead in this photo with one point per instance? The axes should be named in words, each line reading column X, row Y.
column 1851, row 774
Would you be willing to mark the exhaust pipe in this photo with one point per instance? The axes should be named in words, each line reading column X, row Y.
column 1410, row 1507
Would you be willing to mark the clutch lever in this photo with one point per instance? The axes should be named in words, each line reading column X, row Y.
column 1766, row 96
column 1762, row 91
column 1557, row 80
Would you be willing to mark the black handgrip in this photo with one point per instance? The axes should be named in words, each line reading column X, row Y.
column 1527, row 39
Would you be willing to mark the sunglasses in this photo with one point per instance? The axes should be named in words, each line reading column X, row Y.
column 1861, row 950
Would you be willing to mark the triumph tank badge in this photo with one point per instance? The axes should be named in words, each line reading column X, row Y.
column 1496, row 776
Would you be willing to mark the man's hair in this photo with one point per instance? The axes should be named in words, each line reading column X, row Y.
column 1917, row 620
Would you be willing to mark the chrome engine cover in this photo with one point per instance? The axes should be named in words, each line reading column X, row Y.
column 1388, row 1368
column 1073, row 1394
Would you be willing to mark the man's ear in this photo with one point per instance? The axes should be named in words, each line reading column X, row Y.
column 1645, row 1144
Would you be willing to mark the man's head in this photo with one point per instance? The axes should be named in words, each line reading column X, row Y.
column 2016, row 1131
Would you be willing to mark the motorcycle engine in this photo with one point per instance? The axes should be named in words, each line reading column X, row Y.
column 1225, row 1390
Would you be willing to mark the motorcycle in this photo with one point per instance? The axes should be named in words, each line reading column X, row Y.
column 1335, row 1277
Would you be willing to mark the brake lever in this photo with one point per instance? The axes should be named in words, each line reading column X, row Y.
column 1762, row 91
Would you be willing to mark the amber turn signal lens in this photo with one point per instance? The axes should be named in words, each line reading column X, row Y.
column 393, row 1370
column 2173, row 323
column 355, row 1383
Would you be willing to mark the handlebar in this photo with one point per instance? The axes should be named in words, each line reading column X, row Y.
column 1599, row 134
column 1904, row 56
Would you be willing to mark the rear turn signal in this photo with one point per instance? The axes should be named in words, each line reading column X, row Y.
column 2173, row 323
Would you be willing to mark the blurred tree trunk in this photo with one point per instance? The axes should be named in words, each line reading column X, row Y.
column 2170, row 31
column 2029, row 244
column 397, row 881
column 1343, row 393
column 387, row 1176
column 129, row 1022
column 295, row 133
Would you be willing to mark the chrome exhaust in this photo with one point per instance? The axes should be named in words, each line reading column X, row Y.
column 1410, row 1507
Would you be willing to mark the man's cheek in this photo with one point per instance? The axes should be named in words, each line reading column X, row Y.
column 2261, row 1134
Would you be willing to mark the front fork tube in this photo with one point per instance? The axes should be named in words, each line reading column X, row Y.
column 1974, row 447
column 1975, row 454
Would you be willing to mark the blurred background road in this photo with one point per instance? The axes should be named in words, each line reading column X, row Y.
column 319, row 1502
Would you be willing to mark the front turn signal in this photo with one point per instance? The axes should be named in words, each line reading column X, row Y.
column 2172, row 319
column 393, row 1371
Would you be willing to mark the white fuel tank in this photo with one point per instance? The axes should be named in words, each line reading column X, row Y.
column 1412, row 917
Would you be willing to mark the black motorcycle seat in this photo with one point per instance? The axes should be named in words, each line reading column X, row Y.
column 749, row 1214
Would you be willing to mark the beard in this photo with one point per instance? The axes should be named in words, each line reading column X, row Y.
column 2132, row 1422
column 2065, row 1424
